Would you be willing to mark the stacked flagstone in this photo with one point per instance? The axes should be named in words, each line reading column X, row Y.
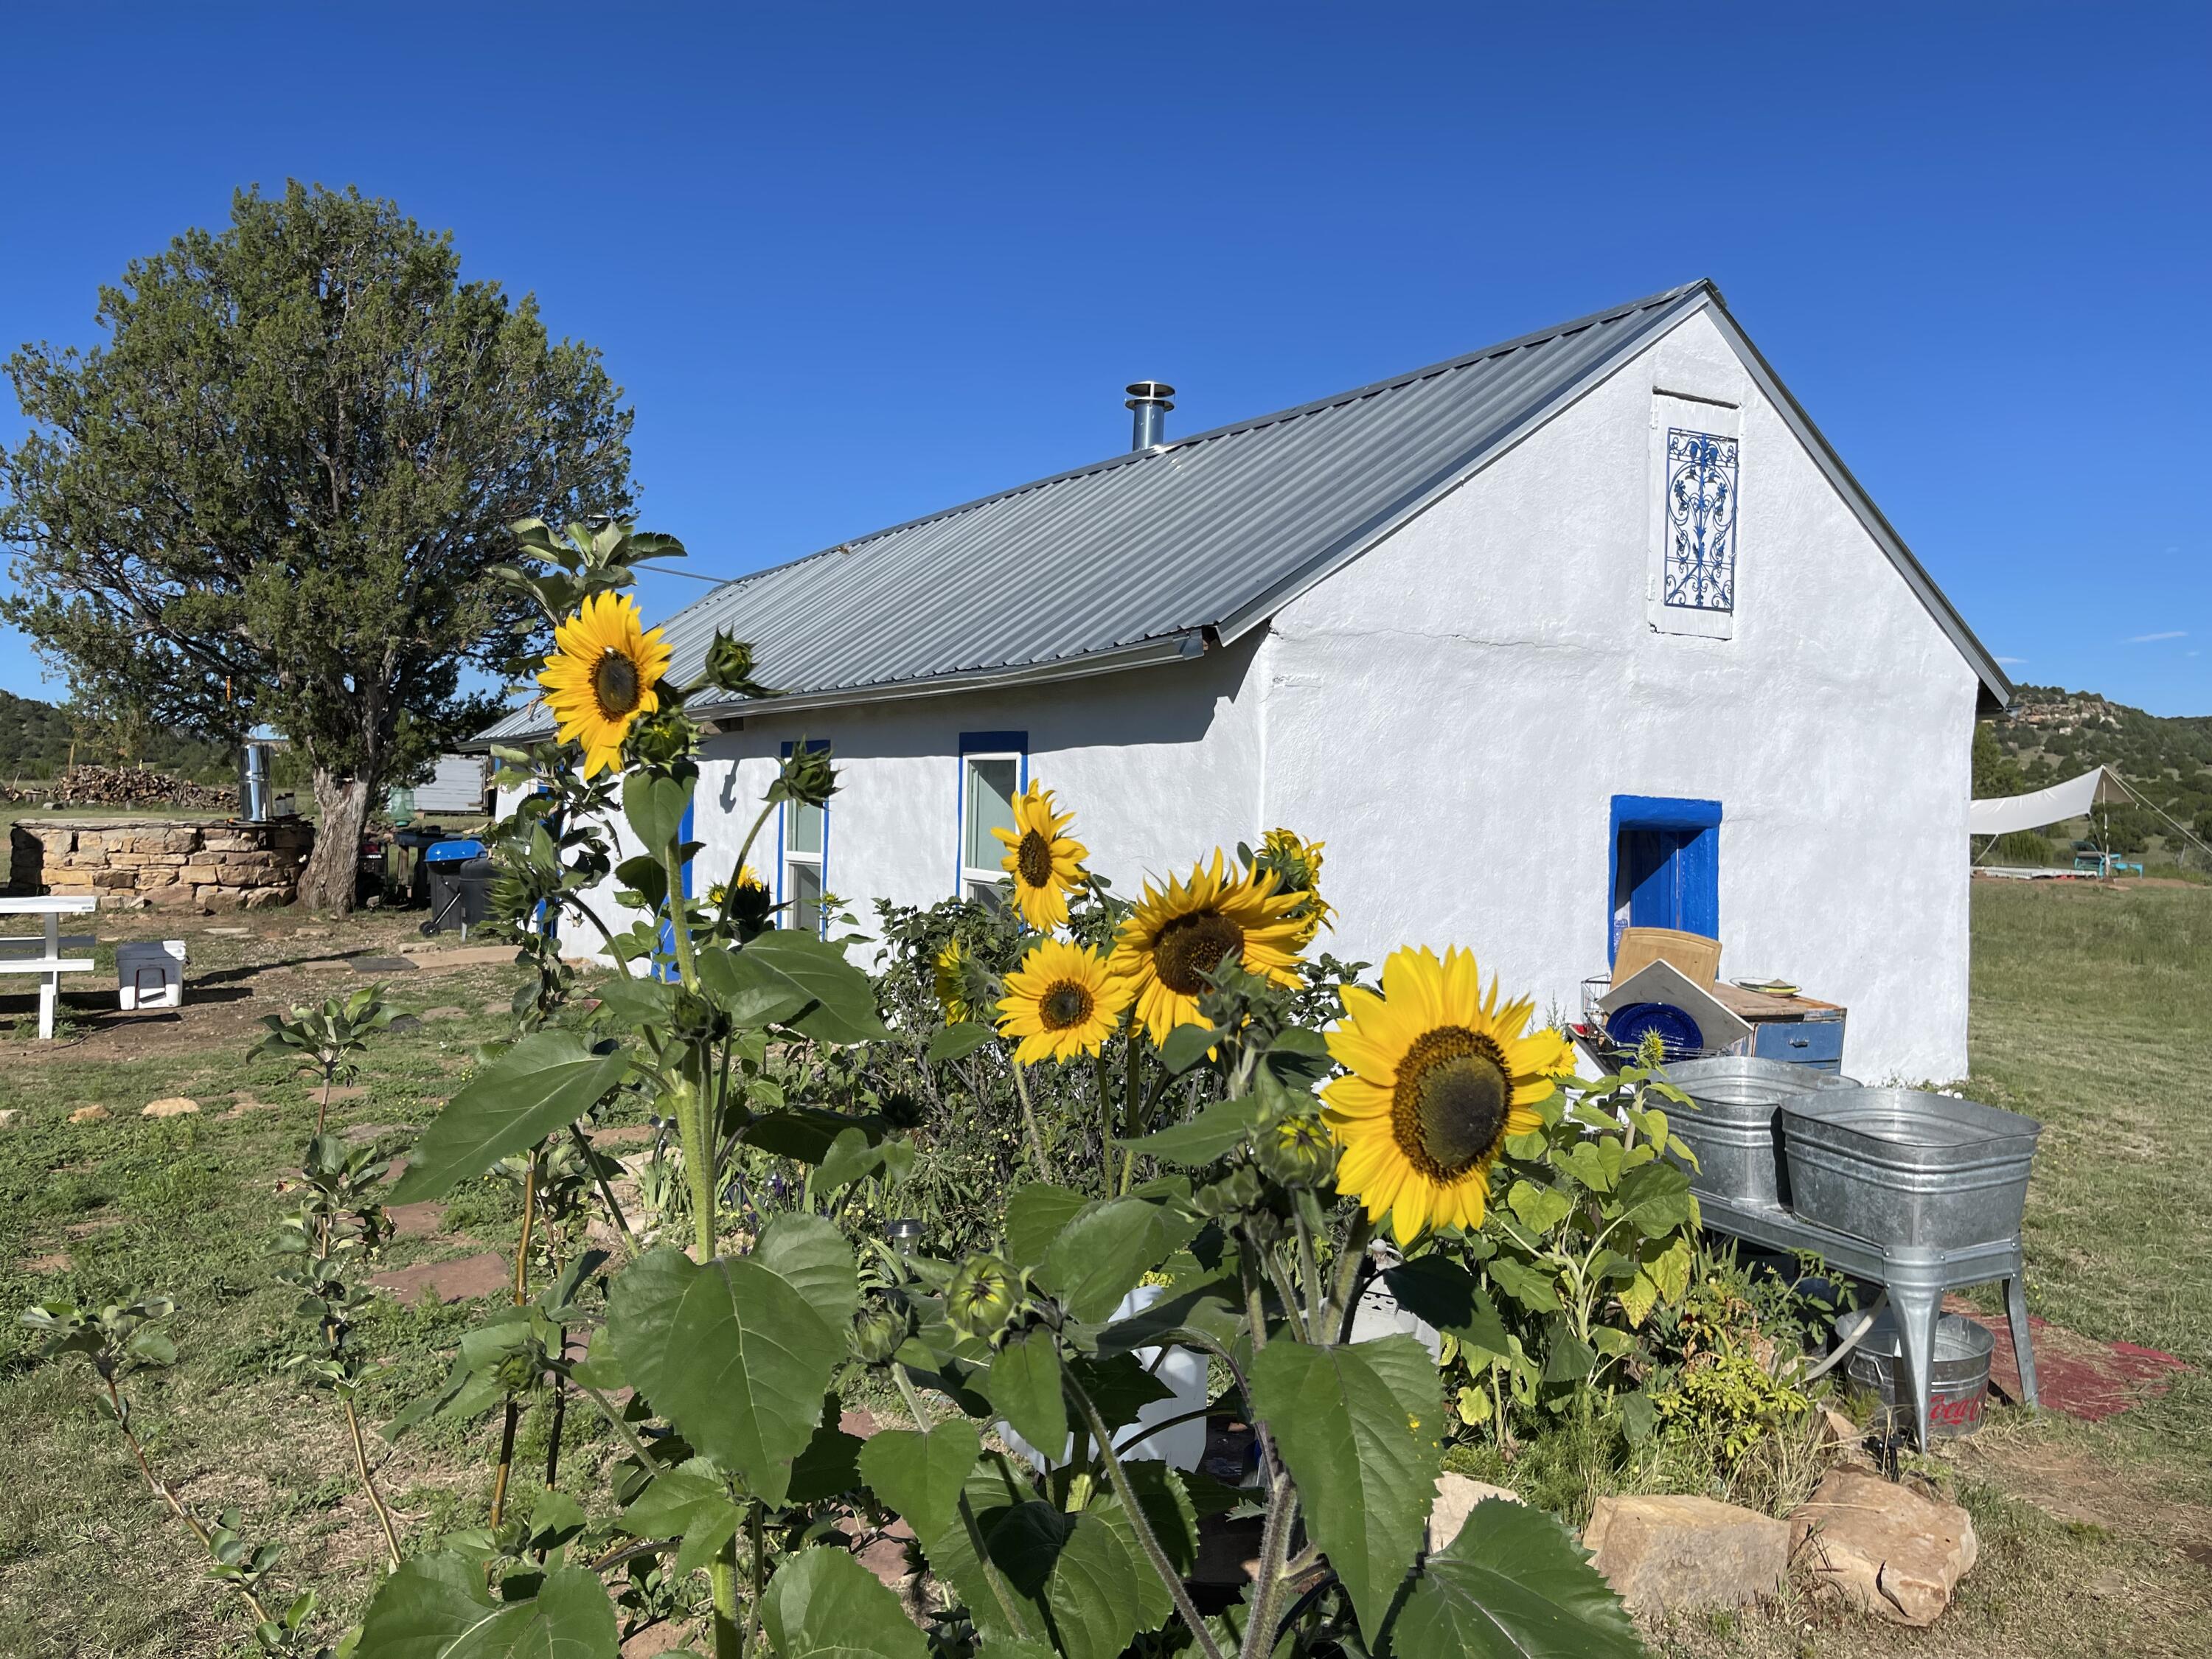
column 172, row 863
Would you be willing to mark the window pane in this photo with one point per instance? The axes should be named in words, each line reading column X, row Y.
column 803, row 888
column 805, row 829
column 987, row 892
column 992, row 785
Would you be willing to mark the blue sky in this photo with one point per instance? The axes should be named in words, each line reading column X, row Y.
column 855, row 263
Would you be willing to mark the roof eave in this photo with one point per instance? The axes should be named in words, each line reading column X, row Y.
column 1177, row 647
column 1996, row 689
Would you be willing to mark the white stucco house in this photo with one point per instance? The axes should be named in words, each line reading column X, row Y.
column 1588, row 627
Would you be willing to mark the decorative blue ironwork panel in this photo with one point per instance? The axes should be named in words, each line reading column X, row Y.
column 1701, row 474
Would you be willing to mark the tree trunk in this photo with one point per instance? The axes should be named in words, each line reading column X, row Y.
column 341, row 814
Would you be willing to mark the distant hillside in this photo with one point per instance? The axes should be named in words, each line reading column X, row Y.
column 35, row 739
column 2052, row 734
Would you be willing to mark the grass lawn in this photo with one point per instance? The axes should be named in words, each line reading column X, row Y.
column 2091, row 1010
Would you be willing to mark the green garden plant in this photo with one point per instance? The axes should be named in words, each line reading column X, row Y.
column 1217, row 1119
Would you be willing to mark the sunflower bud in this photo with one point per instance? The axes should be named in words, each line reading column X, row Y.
column 984, row 1298
column 901, row 1110
column 808, row 777
column 878, row 1328
column 730, row 668
column 1236, row 1194
column 664, row 738
column 1298, row 1151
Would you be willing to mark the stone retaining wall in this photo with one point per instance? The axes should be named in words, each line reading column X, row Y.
column 173, row 863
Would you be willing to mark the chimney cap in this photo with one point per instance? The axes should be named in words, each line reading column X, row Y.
column 1149, row 391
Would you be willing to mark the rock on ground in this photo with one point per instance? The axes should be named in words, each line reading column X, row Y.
column 1457, row 1497
column 1884, row 1548
column 90, row 1114
column 1670, row 1552
column 174, row 1106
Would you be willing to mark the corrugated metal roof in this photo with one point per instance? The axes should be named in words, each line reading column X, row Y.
column 1134, row 557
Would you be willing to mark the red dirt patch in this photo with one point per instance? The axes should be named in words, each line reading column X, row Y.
column 460, row 1280
column 2075, row 1373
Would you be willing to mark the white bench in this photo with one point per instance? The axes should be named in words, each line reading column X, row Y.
column 41, row 953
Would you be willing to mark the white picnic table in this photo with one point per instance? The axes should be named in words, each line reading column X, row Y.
column 41, row 953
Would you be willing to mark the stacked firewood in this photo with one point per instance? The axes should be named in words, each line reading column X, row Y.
column 122, row 786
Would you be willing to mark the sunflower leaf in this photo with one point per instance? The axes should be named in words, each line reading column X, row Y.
column 1212, row 1134
column 1365, row 1473
column 1186, row 1046
column 955, row 1042
column 1539, row 1209
column 544, row 1082
column 1512, row 1585
column 1035, row 1215
column 655, row 804
column 1024, row 1385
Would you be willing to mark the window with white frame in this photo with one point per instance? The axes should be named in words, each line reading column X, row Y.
column 805, row 837
column 991, row 768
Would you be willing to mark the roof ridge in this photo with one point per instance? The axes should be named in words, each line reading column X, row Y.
column 1250, row 423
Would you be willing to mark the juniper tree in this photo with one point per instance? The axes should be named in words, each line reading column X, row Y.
column 273, row 494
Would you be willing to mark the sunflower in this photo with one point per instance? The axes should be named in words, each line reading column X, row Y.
column 949, row 972
column 1180, row 934
column 1044, row 863
column 749, row 881
column 1296, row 863
column 1440, row 1075
column 601, row 675
column 1061, row 1002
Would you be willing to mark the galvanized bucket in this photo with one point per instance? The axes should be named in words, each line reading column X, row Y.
column 1900, row 1166
column 1958, row 1377
column 1733, row 1132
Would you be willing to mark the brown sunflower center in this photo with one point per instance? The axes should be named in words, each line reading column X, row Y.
column 615, row 684
column 1190, row 947
column 1065, row 1003
column 1033, row 860
column 1449, row 1110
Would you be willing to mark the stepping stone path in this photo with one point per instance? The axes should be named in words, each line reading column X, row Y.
column 241, row 1104
column 229, row 932
column 381, row 964
column 626, row 1134
column 460, row 1280
column 174, row 1106
column 449, row 1013
column 344, row 1091
column 90, row 1114
column 359, row 1134
column 1881, row 1548
column 417, row 1220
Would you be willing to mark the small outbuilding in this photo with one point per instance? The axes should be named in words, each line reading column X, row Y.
column 1588, row 628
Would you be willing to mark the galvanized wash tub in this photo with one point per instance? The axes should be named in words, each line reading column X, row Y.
column 1902, row 1167
column 1733, row 1132
column 1957, row 1372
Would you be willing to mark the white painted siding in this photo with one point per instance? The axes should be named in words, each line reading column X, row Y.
column 1452, row 711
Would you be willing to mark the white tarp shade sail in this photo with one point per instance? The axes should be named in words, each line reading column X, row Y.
column 2071, row 799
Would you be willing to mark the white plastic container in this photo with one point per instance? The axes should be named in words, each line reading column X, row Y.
column 1182, row 1370
column 149, row 973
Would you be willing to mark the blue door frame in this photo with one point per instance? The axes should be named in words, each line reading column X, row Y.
column 1673, row 851
column 667, row 950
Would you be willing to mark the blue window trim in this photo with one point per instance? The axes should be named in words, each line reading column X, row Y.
column 814, row 746
column 1701, row 856
column 980, row 742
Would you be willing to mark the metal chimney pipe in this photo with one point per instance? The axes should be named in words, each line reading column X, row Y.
column 1150, row 400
